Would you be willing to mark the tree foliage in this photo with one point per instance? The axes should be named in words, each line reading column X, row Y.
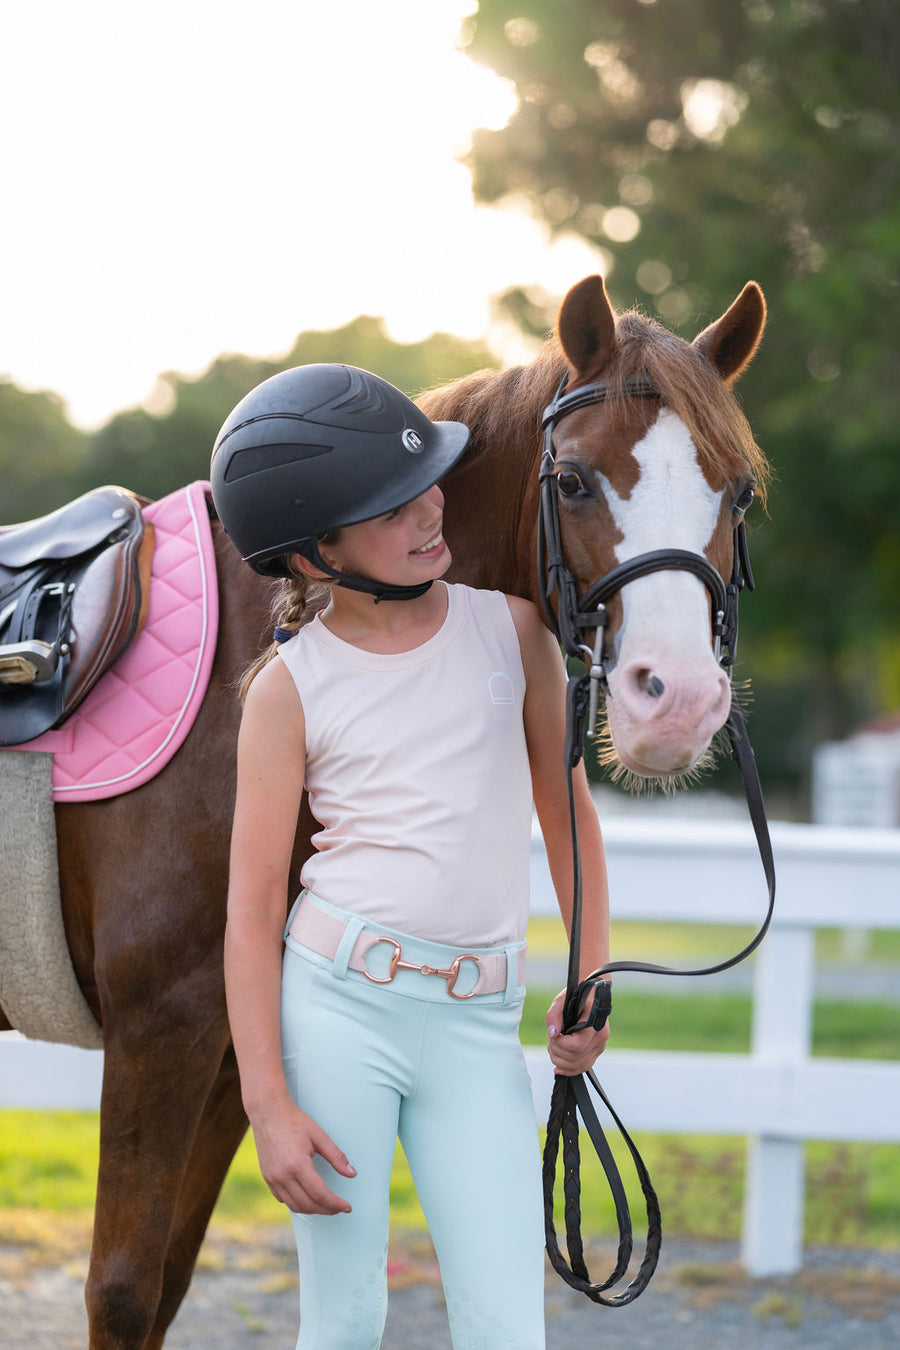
column 700, row 144
column 39, row 450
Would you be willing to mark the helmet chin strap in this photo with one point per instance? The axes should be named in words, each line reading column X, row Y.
column 382, row 590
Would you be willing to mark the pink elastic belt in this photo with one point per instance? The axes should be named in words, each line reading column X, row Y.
column 380, row 954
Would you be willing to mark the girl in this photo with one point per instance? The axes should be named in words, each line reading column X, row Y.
column 421, row 730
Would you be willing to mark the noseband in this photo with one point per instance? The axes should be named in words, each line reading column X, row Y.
column 590, row 999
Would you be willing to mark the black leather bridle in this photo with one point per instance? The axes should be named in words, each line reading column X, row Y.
column 573, row 617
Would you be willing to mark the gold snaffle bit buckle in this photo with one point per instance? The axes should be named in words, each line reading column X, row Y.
column 451, row 974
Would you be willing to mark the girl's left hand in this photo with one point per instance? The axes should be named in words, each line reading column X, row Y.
column 576, row 1052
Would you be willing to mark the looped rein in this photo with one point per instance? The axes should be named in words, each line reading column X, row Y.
column 571, row 1096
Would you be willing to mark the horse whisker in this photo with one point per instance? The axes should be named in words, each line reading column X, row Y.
column 666, row 784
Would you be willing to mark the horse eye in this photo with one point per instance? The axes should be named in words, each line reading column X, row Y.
column 744, row 498
column 569, row 483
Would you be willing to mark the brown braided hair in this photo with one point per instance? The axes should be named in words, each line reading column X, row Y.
column 296, row 599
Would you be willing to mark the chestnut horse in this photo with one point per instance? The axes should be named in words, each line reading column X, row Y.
column 144, row 875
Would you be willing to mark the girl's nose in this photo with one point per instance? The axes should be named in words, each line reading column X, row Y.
column 433, row 497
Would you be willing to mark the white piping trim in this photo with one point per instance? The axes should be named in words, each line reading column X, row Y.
column 179, row 718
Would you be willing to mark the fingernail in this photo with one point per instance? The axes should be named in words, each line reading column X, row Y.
column 351, row 1169
column 552, row 1032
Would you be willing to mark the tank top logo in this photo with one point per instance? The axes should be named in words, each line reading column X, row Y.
column 500, row 688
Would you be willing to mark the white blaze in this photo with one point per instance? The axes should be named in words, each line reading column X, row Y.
column 668, row 695
column 671, row 506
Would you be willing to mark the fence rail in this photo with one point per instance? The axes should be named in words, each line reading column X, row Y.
column 778, row 1096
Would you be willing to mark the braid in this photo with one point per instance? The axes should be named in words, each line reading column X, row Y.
column 295, row 601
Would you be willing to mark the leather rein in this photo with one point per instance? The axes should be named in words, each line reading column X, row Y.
column 573, row 618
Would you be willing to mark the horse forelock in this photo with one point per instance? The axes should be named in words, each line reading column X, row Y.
column 691, row 388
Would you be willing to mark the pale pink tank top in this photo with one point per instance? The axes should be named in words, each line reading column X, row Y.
column 418, row 773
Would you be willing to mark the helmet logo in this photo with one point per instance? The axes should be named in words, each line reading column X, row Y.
column 413, row 441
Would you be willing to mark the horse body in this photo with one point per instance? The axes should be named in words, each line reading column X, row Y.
column 144, row 875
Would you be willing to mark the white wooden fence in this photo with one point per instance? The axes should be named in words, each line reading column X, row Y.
column 681, row 871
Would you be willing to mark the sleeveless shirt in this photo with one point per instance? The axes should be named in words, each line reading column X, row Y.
column 417, row 771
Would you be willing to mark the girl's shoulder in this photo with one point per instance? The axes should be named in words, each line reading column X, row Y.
column 539, row 648
column 525, row 615
column 273, row 695
column 522, row 611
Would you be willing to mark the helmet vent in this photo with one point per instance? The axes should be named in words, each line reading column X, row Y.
column 363, row 396
column 257, row 458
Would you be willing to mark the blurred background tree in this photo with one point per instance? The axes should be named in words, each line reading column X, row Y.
column 699, row 144
column 39, row 448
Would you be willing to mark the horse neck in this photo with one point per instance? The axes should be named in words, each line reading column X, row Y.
column 492, row 495
column 490, row 517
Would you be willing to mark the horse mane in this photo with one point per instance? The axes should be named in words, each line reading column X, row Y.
column 484, row 400
column 687, row 383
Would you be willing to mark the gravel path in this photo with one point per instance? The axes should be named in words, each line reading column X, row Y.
column 244, row 1298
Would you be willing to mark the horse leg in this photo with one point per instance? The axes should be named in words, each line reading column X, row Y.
column 156, row 1084
column 222, row 1126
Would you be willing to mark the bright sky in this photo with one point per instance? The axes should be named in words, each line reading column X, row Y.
column 187, row 177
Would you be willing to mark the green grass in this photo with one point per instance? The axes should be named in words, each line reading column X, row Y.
column 721, row 1023
column 686, row 940
column 48, row 1162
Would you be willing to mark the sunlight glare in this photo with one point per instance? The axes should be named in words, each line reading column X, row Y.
column 185, row 181
column 711, row 107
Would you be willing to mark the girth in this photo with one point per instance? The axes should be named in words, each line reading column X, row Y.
column 574, row 617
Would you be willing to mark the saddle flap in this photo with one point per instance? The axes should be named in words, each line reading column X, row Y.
column 76, row 528
column 84, row 609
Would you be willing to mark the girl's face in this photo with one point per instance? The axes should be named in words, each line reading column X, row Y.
column 404, row 547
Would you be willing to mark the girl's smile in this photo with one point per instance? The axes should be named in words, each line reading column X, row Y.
column 406, row 545
column 432, row 547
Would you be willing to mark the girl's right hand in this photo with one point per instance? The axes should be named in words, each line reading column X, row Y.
column 287, row 1142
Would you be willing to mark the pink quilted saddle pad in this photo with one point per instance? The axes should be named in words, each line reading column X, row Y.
column 139, row 713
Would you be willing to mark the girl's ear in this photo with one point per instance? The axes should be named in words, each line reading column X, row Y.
column 309, row 569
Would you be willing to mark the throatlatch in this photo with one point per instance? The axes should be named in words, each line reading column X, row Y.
column 593, row 995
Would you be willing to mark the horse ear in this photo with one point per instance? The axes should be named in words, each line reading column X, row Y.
column 587, row 327
column 731, row 342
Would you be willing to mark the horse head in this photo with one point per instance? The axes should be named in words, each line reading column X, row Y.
column 661, row 459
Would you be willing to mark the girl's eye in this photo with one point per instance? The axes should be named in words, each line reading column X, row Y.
column 569, row 483
column 744, row 498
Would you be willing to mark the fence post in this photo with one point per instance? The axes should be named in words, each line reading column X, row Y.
column 772, row 1239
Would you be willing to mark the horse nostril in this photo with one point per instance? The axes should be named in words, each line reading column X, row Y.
column 651, row 684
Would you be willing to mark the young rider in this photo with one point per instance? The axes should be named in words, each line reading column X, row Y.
column 422, row 719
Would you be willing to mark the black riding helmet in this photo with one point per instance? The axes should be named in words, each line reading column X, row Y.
column 319, row 447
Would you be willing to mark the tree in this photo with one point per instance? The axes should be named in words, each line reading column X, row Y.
column 40, row 453
column 700, row 144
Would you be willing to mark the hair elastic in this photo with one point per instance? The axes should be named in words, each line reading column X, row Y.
column 282, row 634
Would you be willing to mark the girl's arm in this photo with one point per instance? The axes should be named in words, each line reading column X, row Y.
column 271, row 770
column 545, row 726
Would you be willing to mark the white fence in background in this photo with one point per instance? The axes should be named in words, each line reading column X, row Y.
column 681, row 871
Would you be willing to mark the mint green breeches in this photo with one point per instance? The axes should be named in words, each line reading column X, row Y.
column 371, row 1063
